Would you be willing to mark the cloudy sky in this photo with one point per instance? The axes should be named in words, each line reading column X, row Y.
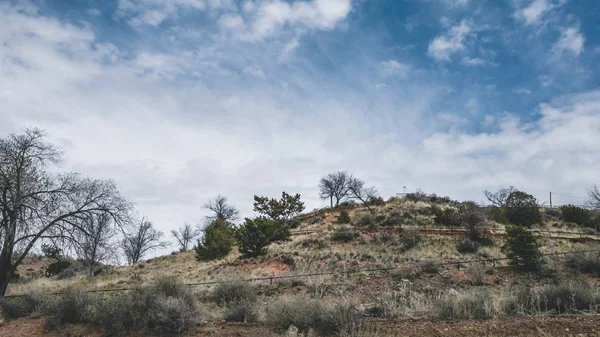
column 179, row 100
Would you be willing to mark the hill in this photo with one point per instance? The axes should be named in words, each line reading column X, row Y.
column 400, row 262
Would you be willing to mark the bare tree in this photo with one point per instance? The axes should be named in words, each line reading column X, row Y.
column 593, row 200
column 358, row 191
column 498, row 198
column 221, row 210
column 36, row 204
column 335, row 187
column 93, row 243
column 184, row 235
column 142, row 239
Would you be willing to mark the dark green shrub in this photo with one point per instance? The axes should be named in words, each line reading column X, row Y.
column 522, row 209
column 364, row 220
column 217, row 241
column 522, row 248
column 588, row 263
column 51, row 251
column 376, row 201
column 466, row 245
column 255, row 235
column 13, row 308
column 56, row 267
column 293, row 223
column 411, row 239
column 344, row 235
column 497, row 214
column 574, row 214
column 448, row 217
column 430, row 267
column 343, row 218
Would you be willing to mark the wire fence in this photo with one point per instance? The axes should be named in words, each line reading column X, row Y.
column 495, row 262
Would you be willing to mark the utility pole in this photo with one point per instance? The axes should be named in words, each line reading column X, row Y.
column 550, row 199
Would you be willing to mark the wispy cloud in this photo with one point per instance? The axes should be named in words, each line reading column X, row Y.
column 536, row 10
column 394, row 67
column 443, row 46
column 571, row 41
column 523, row 91
column 477, row 62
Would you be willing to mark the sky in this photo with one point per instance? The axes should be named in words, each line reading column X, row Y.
column 181, row 100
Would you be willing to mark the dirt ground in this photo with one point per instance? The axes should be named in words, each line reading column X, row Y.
column 521, row 326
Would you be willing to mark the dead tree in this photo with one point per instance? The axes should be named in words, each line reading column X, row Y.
column 498, row 198
column 358, row 191
column 221, row 210
column 141, row 240
column 335, row 187
column 37, row 204
column 93, row 243
column 184, row 236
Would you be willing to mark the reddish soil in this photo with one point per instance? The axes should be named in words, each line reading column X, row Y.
column 520, row 326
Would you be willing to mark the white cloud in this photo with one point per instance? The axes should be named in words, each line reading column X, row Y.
column 524, row 91
column 477, row 62
column 536, row 10
column 256, row 71
column 154, row 12
column 571, row 40
column 268, row 16
column 393, row 67
column 442, row 47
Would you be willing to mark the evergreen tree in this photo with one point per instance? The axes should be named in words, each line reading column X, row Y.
column 255, row 235
column 522, row 248
column 217, row 241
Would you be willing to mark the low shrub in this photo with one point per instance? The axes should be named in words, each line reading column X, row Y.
column 497, row 214
column 312, row 314
column 566, row 297
column 293, row 223
column 364, row 220
column 448, row 217
column 69, row 308
column 227, row 293
column 343, row 218
column 476, row 275
column 588, row 263
column 167, row 306
column 466, row 245
column 574, row 214
column 473, row 304
column 391, row 221
column 244, row 311
column 56, row 267
column 411, row 239
column 13, row 308
column 344, row 235
column 430, row 267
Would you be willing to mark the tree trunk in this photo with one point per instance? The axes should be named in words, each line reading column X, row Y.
column 331, row 201
column 6, row 273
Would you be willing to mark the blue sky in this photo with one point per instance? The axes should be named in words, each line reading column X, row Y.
column 181, row 100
